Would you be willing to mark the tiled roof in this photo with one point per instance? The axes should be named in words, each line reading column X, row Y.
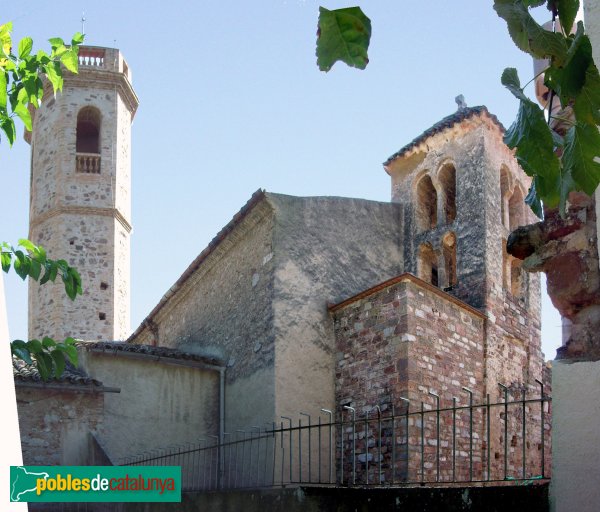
column 28, row 373
column 149, row 350
column 447, row 122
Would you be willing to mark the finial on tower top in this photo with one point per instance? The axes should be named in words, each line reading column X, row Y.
column 460, row 101
column 83, row 23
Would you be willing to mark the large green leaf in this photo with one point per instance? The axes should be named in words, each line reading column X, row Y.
column 71, row 60
column 527, row 34
column 568, row 79
column 25, row 46
column 582, row 146
column 567, row 11
column 587, row 103
column 534, row 144
column 344, row 35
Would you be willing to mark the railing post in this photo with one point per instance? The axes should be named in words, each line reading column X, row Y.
column 406, row 415
column 291, row 452
column 309, row 445
column 470, row 432
column 437, row 415
column 542, row 427
column 454, row 399
column 327, row 411
column 505, row 430
column 347, row 407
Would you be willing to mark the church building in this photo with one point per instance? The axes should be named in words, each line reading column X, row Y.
column 299, row 303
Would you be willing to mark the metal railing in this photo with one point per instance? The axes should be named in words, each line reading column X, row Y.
column 390, row 445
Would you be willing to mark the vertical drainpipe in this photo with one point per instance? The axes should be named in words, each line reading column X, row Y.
column 221, row 424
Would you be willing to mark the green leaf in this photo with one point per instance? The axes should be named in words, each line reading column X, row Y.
column 567, row 12
column 35, row 269
column 70, row 351
column 582, row 146
column 59, row 363
column 56, row 42
column 23, row 112
column 533, row 200
column 25, row 46
column 70, row 60
column 5, row 260
column 527, row 34
column 48, row 342
column 510, row 80
column 77, row 39
column 44, row 365
column 7, row 125
column 20, row 349
column 3, row 83
column 568, row 79
column 27, row 244
column 534, row 145
column 35, row 346
column 344, row 35
column 21, row 265
column 53, row 72
column 587, row 102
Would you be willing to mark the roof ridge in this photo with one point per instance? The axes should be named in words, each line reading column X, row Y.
column 443, row 124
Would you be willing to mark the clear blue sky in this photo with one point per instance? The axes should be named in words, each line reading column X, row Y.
column 231, row 101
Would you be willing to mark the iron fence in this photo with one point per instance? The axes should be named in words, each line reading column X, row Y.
column 399, row 444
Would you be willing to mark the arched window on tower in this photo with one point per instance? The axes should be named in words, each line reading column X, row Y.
column 427, row 266
column 447, row 177
column 504, row 191
column 426, row 204
column 516, row 209
column 449, row 252
column 87, row 144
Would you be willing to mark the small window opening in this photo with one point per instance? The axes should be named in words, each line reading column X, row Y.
column 447, row 179
column 449, row 252
column 103, row 285
column 427, row 267
column 101, row 316
column 426, row 204
column 88, row 131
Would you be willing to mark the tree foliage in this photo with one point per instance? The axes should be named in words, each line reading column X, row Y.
column 21, row 74
column 557, row 164
column 22, row 88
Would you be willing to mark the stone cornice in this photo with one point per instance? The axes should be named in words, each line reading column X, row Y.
column 81, row 211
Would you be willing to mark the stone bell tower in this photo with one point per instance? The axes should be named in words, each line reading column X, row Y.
column 80, row 202
column 463, row 193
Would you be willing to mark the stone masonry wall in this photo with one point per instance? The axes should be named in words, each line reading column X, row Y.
column 55, row 424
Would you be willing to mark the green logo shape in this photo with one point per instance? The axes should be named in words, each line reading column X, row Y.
column 55, row 484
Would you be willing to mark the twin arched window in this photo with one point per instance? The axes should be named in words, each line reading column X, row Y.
column 438, row 267
column 427, row 198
